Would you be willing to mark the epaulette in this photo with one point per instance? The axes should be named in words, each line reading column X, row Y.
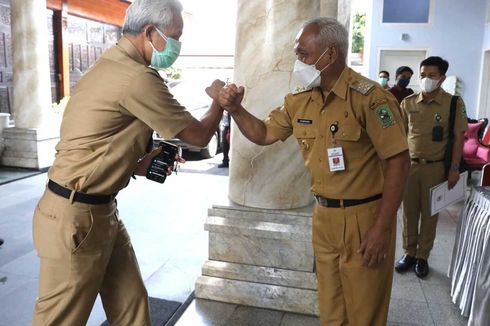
column 302, row 89
column 362, row 86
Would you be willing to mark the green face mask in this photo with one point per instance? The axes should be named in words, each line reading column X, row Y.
column 164, row 59
column 383, row 81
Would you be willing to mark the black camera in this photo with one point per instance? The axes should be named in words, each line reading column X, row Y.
column 159, row 165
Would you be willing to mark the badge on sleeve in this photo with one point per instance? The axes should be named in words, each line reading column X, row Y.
column 385, row 116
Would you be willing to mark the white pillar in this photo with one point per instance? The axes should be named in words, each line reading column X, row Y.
column 31, row 143
column 272, row 176
column 31, row 81
column 260, row 251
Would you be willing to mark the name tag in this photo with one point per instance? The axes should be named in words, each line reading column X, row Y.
column 336, row 159
column 305, row 121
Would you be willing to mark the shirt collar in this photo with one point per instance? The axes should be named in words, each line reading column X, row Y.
column 439, row 98
column 339, row 88
column 125, row 45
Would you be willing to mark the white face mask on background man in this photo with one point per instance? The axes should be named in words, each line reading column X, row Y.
column 428, row 85
column 307, row 75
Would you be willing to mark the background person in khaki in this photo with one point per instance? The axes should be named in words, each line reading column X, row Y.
column 354, row 219
column 82, row 244
column 425, row 113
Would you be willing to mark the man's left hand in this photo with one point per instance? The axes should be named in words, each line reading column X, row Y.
column 374, row 246
column 144, row 163
column 452, row 178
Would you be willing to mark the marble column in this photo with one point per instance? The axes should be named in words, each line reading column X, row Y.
column 31, row 142
column 260, row 251
column 272, row 176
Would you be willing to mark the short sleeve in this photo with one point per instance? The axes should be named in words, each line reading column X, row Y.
column 385, row 126
column 278, row 122
column 461, row 119
column 149, row 99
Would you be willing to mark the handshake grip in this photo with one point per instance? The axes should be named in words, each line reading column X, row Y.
column 157, row 171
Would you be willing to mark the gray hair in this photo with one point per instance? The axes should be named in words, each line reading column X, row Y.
column 331, row 33
column 150, row 12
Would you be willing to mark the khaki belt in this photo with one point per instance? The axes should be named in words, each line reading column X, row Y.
column 80, row 196
column 424, row 161
column 328, row 202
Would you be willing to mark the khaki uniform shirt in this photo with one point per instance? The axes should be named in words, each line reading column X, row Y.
column 370, row 130
column 109, row 119
column 421, row 117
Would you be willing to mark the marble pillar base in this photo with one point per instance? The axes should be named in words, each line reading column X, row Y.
column 28, row 148
column 260, row 258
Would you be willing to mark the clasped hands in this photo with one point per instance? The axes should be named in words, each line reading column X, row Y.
column 229, row 96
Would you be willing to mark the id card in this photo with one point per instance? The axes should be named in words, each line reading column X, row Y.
column 336, row 159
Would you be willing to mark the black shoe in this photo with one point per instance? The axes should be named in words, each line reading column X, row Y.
column 421, row 268
column 223, row 165
column 405, row 263
column 1, row 242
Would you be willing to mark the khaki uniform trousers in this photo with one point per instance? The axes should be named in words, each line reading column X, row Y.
column 350, row 294
column 85, row 250
column 419, row 226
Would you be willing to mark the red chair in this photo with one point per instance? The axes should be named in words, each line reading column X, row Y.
column 475, row 154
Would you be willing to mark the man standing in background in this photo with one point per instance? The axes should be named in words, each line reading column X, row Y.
column 402, row 79
column 383, row 78
column 427, row 121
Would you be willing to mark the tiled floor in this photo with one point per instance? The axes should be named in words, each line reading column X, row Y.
column 166, row 226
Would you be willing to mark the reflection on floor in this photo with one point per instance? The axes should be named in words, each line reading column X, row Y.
column 8, row 175
column 166, row 226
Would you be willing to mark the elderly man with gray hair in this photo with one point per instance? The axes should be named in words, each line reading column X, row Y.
column 351, row 135
column 82, row 243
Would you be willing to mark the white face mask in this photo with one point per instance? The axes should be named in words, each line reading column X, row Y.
column 428, row 85
column 306, row 75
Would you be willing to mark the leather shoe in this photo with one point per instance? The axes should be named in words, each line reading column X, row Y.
column 421, row 268
column 223, row 165
column 405, row 263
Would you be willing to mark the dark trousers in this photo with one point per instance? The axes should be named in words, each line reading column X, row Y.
column 225, row 144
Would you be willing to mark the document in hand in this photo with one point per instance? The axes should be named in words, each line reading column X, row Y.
column 441, row 197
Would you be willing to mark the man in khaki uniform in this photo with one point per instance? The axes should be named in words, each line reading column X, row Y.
column 348, row 129
column 82, row 244
column 427, row 119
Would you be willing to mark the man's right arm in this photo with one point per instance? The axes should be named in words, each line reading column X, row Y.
column 254, row 129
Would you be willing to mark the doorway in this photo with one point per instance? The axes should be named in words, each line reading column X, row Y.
column 390, row 60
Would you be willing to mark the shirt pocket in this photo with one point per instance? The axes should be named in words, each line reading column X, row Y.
column 306, row 137
column 348, row 133
column 417, row 121
column 348, row 137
